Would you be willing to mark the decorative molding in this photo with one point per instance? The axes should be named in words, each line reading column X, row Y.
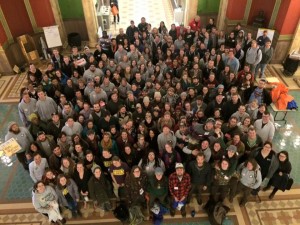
column 36, row 29
column 286, row 37
column 234, row 22
column 10, row 38
column 274, row 14
column 247, row 10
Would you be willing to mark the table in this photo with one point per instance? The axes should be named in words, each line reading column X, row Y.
column 276, row 111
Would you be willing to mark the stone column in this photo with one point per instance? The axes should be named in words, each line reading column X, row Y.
column 190, row 10
column 91, row 21
column 59, row 21
column 295, row 44
column 222, row 14
column 274, row 14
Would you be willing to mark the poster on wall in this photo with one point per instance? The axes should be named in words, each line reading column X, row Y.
column 270, row 33
column 52, row 36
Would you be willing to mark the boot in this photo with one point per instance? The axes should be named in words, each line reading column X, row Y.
column 183, row 212
column 271, row 196
column 172, row 211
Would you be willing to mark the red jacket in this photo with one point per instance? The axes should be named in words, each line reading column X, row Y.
column 195, row 25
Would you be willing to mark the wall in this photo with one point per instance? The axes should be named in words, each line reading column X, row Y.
column 208, row 9
column 208, row 6
column 3, row 37
column 259, row 5
column 71, row 9
column 236, row 9
column 42, row 12
column 73, row 17
column 288, row 17
column 16, row 16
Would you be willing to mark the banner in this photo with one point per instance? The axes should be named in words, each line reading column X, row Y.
column 10, row 147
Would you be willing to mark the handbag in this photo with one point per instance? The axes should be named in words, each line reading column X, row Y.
column 114, row 10
column 289, row 184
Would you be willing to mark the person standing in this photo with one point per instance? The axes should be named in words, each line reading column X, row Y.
column 267, row 54
column 116, row 4
column 26, row 107
column 45, row 106
column 250, row 179
column 23, row 137
column 280, row 178
column 179, row 187
column 44, row 200
column 200, row 172
column 253, row 56
column 37, row 167
column 267, row 159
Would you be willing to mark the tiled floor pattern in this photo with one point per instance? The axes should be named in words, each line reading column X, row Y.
column 10, row 87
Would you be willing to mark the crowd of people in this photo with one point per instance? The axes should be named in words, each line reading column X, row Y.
column 152, row 116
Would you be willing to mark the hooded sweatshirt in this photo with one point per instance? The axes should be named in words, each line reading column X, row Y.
column 41, row 201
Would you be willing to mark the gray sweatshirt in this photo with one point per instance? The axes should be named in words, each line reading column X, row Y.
column 23, row 138
column 25, row 109
column 96, row 97
column 250, row 178
column 253, row 56
column 75, row 129
column 41, row 201
column 46, row 108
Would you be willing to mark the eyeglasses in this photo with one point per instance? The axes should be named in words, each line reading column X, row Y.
column 136, row 171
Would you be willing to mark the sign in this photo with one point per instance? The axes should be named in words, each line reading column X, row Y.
column 52, row 36
column 10, row 147
column 270, row 33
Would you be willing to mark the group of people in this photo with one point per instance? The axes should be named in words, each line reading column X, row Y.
column 150, row 117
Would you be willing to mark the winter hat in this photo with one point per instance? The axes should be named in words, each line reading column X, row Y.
column 146, row 99
column 157, row 94
column 10, row 124
column 158, row 170
column 32, row 116
column 232, row 148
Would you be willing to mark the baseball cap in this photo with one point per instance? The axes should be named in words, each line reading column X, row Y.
column 179, row 165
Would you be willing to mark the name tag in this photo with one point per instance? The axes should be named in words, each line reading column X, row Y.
column 206, row 133
column 175, row 188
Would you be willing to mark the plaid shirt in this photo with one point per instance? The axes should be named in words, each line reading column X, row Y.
column 179, row 188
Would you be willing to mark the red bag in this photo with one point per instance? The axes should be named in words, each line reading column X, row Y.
column 114, row 10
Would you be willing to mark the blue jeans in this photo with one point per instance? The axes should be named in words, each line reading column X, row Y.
column 262, row 68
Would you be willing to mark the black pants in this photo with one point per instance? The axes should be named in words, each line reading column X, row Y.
column 245, row 191
column 233, row 186
column 219, row 192
column 196, row 188
column 22, row 159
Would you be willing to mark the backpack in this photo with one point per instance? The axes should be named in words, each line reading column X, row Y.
column 216, row 212
column 136, row 215
column 121, row 212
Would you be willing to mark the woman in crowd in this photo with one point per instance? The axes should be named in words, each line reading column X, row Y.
column 67, row 193
column 250, row 179
column 45, row 202
column 281, row 177
column 136, row 186
column 149, row 162
column 81, row 177
column 100, row 191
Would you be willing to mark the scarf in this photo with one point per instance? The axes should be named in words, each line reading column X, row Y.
column 106, row 145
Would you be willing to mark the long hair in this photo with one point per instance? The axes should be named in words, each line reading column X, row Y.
column 145, row 160
column 58, row 183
